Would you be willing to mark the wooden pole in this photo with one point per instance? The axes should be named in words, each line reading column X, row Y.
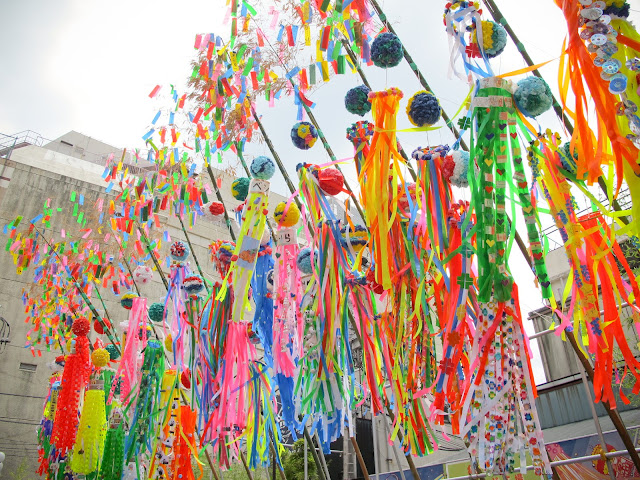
column 219, row 197
column 363, row 466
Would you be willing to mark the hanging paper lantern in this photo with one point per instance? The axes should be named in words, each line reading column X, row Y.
column 142, row 274
column 455, row 168
column 127, row 300
column 292, row 216
column 568, row 159
column 386, row 50
column 304, row 135
column 357, row 238
column 240, row 188
column 81, row 326
column 331, row 181
column 97, row 326
column 100, row 357
column 225, row 252
column 179, row 251
column 304, row 260
column 193, row 284
column 423, row 109
column 113, row 351
column 494, row 38
column 262, row 168
column 533, row 96
column 156, row 312
column 215, row 209
column 356, row 100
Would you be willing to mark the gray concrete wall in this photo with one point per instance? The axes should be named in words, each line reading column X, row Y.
column 36, row 174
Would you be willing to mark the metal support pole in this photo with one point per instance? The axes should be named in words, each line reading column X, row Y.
column 306, row 460
column 322, row 459
column 395, row 453
column 376, row 453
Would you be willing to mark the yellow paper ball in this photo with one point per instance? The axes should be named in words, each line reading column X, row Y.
column 100, row 357
column 168, row 344
column 292, row 216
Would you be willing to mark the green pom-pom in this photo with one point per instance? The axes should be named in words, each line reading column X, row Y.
column 113, row 351
column 533, row 96
column 240, row 188
column 356, row 100
column 569, row 161
column 386, row 50
column 156, row 312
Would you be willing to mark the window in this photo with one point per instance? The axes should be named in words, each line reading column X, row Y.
column 28, row 367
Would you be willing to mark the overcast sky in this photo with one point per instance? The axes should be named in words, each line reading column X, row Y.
column 89, row 66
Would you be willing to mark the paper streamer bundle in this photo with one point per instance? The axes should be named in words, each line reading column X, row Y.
column 167, row 427
column 113, row 459
column 88, row 449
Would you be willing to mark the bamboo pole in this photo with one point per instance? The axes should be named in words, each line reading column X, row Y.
column 219, row 197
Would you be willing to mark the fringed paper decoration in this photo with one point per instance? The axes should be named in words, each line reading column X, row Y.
column 262, row 289
column 359, row 134
column 128, row 375
column 597, row 282
column 113, row 458
column 185, row 443
column 45, row 463
column 88, row 449
column 499, row 413
column 377, row 193
column 496, row 151
column 262, row 428
column 163, row 447
column 583, row 74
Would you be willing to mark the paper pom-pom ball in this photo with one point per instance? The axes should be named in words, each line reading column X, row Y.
column 142, row 274
column 360, row 132
column 455, row 168
column 568, row 159
column 215, row 209
column 356, row 100
column 331, row 181
column 193, row 284
column 97, row 326
column 100, row 357
column 225, row 252
column 168, row 343
column 292, row 216
column 423, row 109
column 304, row 135
column 262, row 168
column 179, row 251
column 533, row 96
column 403, row 200
column 240, row 188
column 81, row 326
column 127, row 300
column 304, row 260
column 156, row 312
column 386, row 50
column 494, row 38
column 113, row 351
column 357, row 238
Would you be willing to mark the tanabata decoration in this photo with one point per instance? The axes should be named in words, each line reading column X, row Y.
column 490, row 37
column 303, row 135
column 127, row 300
column 112, row 463
column 263, row 168
column 286, row 214
column 142, row 274
column 356, row 100
column 359, row 134
column 387, row 50
column 423, row 109
column 156, row 312
column 533, row 96
column 215, row 209
column 456, row 168
column 240, row 188
column 179, row 251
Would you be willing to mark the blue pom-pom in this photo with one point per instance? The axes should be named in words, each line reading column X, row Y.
column 240, row 188
column 498, row 39
column 423, row 109
column 533, row 96
column 304, row 135
column 304, row 260
column 179, row 251
column 262, row 168
column 386, row 50
column 156, row 312
column 356, row 100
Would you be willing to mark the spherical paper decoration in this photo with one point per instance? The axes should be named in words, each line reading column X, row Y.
column 356, row 100
column 193, row 284
column 533, row 96
column 179, row 251
column 81, row 326
column 100, row 357
column 142, row 274
column 225, row 252
column 127, row 300
column 423, row 109
column 304, row 135
column 168, row 343
column 494, row 38
column 113, row 351
column 97, row 326
column 568, row 159
column 331, row 181
column 240, row 188
column 292, row 216
column 262, row 168
column 215, row 209
column 357, row 238
column 304, row 260
column 455, row 168
column 386, row 50
column 156, row 312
